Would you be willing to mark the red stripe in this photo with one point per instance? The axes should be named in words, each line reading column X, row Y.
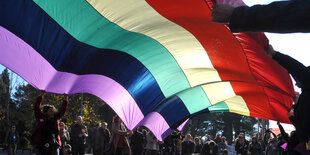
column 274, row 79
column 223, row 48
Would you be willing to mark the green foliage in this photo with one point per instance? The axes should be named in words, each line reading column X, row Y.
column 91, row 117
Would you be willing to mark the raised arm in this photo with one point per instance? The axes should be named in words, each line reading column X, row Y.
column 37, row 111
column 280, row 17
column 283, row 133
column 64, row 107
column 299, row 72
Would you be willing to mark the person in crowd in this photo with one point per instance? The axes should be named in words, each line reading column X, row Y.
column 225, row 152
column 11, row 140
column 67, row 149
column 179, row 140
column 93, row 138
column 188, row 146
column 137, row 142
column 255, row 147
column 280, row 17
column 120, row 137
column 78, row 136
column 300, row 112
column 207, row 139
column 210, row 148
column 222, row 145
column 171, row 143
column 64, row 135
column 281, row 142
column 144, row 132
column 217, row 138
column 267, row 140
column 152, row 146
column 198, row 144
column 101, row 137
column 262, row 143
column 272, row 143
column 241, row 144
column 271, row 148
column 46, row 134
column 292, row 140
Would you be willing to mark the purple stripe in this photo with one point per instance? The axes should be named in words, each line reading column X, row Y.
column 30, row 65
column 157, row 124
column 181, row 127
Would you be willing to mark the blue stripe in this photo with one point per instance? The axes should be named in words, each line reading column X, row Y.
column 66, row 54
column 173, row 110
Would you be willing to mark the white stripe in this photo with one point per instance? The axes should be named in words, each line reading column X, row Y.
column 138, row 16
column 222, row 91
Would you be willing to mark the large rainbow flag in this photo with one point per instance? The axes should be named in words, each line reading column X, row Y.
column 156, row 63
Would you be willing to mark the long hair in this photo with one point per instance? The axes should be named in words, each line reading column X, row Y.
column 115, row 119
column 64, row 126
column 198, row 139
column 254, row 137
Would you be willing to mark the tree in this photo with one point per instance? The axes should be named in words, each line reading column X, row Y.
column 9, row 82
column 2, row 101
column 224, row 123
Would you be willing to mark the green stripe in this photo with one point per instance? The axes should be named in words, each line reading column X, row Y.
column 85, row 24
column 219, row 107
column 194, row 99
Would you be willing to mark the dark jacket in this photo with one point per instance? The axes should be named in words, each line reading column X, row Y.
column 281, row 17
column 292, row 142
column 198, row 148
column 41, row 120
column 207, row 149
column 242, row 148
column 76, row 130
column 11, row 138
column 300, row 73
column 255, row 148
column 137, row 142
column 188, row 147
column 101, row 138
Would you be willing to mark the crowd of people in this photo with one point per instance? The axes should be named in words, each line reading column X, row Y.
column 52, row 137
column 120, row 141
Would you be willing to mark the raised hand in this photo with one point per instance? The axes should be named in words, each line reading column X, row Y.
column 221, row 13
column 42, row 93
column 270, row 51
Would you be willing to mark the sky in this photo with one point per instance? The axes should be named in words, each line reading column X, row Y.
column 294, row 44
